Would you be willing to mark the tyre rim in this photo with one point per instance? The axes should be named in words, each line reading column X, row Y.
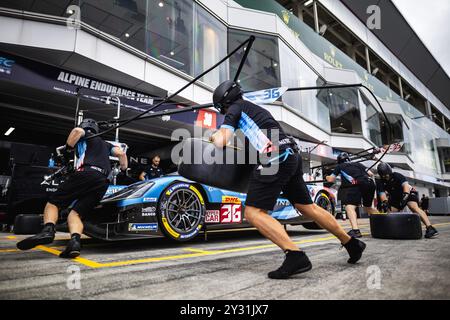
column 183, row 211
column 324, row 203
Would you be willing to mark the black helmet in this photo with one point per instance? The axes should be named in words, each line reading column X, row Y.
column 384, row 170
column 225, row 94
column 343, row 157
column 89, row 125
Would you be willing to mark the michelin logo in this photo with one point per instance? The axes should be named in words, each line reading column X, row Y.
column 142, row 227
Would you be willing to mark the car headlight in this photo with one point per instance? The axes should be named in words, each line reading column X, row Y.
column 131, row 192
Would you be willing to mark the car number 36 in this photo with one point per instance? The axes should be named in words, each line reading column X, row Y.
column 230, row 213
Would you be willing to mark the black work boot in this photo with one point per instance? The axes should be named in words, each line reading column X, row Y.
column 431, row 232
column 294, row 263
column 73, row 248
column 46, row 236
column 355, row 249
column 355, row 233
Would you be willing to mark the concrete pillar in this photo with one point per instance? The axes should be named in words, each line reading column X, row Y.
column 316, row 16
column 369, row 69
column 400, row 86
column 298, row 10
column 428, row 108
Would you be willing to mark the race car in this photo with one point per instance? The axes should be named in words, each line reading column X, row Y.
column 180, row 209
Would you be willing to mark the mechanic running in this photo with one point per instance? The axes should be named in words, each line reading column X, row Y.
column 85, row 187
column 265, row 189
column 401, row 194
column 357, row 185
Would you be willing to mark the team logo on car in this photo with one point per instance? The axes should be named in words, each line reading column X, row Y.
column 212, row 216
column 142, row 227
column 149, row 212
column 230, row 199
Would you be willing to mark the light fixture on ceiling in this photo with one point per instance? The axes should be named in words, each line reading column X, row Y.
column 161, row 4
column 375, row 71
column 8, row 132
column 407, row 96
column 127, row 35
column 70, row 11
column 308, row 3
column 323, row 29
column 172, row 53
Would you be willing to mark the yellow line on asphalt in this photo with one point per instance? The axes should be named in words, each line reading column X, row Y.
column 148, row 260
column 9, row 250
column 198, row 250
column 196, row 253
column 84, row 261
column 441, row 224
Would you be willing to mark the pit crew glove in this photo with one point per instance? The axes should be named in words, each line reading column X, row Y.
column 66, row 154
column 404, row 200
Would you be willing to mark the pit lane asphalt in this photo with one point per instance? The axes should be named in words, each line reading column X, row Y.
column 230, row 265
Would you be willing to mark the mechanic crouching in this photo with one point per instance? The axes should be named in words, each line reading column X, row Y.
column 401, row 195
column 83, row 189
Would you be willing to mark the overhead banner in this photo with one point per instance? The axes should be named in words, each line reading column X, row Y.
column 52, row 79
column 46, row 77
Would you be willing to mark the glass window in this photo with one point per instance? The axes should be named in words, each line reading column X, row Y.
column 210, row 45
column 295, row 73
column 50, row 7
column 372, row 121
column 261, row 70
column 396, row 122
column 344, row 109
column 122, row 19
column 445, row 157
column 169, row 33
column 423, row 148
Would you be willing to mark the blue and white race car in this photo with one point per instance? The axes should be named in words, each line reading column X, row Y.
column 180, row 209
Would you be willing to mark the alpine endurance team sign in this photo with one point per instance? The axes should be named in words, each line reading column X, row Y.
column 84, row 82
column 46, row 77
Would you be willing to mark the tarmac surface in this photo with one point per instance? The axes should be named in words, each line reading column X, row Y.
column 230, row 265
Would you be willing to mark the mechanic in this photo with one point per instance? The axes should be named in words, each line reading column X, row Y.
column 154, row 171
column 265, row 189
column 83, row 189
column 401, row 194
column 360, row 187
column 424, row 203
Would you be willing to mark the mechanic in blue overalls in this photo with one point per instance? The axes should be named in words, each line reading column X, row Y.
column 82, row 190
column 358, row 186
column 264, row 188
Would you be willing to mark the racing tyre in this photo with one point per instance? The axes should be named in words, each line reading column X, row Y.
column 219, row 174
column 323, row 201
column 181, row 212
column 396, row 226
column 28, row 224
